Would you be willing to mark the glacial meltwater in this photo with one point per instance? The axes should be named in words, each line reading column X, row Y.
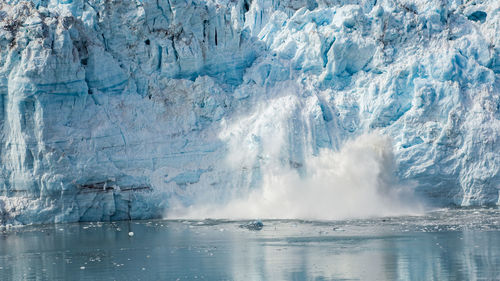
column 447, row 244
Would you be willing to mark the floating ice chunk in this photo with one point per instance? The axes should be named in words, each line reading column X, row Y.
column 254, row 225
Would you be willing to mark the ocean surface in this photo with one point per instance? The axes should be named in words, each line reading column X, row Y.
column 446, row 244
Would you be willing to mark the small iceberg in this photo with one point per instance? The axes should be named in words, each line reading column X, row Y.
column 254, row 225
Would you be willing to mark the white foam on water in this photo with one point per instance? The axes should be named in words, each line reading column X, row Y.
column 356, row 181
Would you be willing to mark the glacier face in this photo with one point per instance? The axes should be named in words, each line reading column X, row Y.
column 116, row 109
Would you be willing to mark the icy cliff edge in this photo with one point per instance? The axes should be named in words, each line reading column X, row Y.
column 117, row 109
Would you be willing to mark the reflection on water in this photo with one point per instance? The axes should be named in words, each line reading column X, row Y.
column 444, row 245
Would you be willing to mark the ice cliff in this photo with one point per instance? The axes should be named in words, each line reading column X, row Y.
column 116, row 109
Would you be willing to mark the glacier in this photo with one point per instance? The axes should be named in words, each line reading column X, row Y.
column 114, row 110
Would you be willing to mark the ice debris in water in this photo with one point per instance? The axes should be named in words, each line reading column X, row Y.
column 254, row 225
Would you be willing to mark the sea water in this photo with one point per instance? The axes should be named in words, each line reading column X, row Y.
column 447, row 244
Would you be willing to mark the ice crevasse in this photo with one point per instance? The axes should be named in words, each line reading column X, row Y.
column 115, row 110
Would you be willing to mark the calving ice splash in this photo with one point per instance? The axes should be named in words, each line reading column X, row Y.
column 113, row 110
column 356, row 181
